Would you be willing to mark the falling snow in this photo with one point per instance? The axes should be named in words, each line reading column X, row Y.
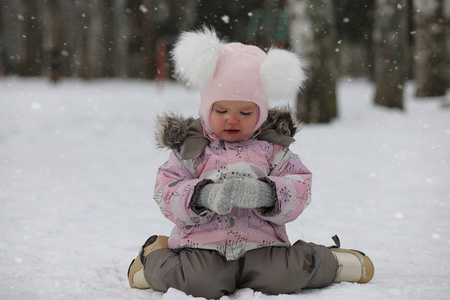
column 225, row 19
column 142, row 8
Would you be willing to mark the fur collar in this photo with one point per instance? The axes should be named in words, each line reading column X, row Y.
column 185, row 135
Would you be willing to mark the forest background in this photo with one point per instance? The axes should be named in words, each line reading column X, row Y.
column 387, row 41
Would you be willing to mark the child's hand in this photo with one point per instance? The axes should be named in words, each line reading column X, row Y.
column 248, row 193
column 213, row 198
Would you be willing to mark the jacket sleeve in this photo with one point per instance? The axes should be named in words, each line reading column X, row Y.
column 291, row 181
column 176, row 185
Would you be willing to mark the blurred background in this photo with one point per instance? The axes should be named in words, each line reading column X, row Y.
column 387, row 41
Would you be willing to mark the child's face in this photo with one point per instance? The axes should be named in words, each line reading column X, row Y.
column 233, row 120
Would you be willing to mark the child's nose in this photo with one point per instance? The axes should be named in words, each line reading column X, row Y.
column 232, row 119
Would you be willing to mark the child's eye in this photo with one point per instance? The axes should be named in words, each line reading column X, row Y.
column 245, row 113
column 221, row 111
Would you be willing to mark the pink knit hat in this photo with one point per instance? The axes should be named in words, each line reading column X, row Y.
column 235, row 71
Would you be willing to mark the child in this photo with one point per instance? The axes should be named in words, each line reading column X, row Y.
column 231, row 183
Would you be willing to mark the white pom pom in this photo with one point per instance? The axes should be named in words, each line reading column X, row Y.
column 281, row 74
column 195, row 55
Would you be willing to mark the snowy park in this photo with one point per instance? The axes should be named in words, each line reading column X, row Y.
column 78, row 163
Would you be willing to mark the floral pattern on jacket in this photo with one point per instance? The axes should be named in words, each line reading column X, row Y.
column 241, row 230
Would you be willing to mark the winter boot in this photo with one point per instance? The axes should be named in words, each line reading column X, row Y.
column 136, row 269
column 353, row 265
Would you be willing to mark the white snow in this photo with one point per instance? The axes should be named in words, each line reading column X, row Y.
column 78, row 165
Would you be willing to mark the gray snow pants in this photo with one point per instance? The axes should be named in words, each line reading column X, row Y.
column 271, row 270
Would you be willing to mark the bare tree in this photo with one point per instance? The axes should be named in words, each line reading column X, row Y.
column 430, row 48
column 314, row 37
column 390, row 42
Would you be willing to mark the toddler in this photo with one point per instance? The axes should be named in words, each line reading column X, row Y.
column 231, row 184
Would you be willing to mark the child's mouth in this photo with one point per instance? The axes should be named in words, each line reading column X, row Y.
column 231, row 131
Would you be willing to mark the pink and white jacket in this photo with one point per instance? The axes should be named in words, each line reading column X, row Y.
column 198, row 158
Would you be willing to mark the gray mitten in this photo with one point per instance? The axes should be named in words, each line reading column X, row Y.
column 211, row 196
column 249, row 193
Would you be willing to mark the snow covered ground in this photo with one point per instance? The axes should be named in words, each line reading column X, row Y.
column 78, row 165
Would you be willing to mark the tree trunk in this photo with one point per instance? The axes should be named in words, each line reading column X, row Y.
column 32, row 39
column 107, row 39
column 390, row 42
column 81, row 42
column 120, row 49
column 430, row 47
column 14, row 30
column 53, row 45
column 314, row 38
column 2, row 38
column 133, row 39
column 149, row 38
column 446, row 10
column 95, row 37
column 100, row 36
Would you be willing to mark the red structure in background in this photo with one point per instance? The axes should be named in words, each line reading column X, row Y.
column 160, row 63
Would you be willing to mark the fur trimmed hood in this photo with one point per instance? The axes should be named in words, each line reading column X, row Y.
column 186, row 136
